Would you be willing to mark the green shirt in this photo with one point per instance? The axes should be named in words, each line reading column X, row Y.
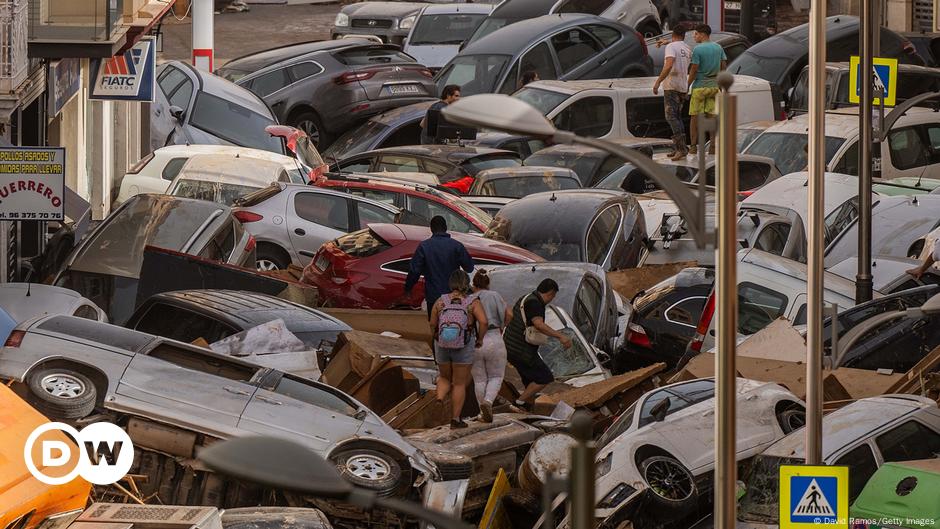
column 708, row 57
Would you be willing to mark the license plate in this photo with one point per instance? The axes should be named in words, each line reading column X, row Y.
column 404, row 89
column 733, row 5
column 322, row 262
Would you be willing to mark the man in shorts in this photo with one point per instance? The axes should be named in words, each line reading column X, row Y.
column 673, row 79
column 708, row 58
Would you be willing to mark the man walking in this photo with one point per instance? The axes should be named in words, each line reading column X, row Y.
column 529, row 311
column 436, row 259
column 708, row 58
column 450, row 94
column 673, row 79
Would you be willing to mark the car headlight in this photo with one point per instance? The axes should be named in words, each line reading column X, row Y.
column 603, row 466
column 406, row 22
column 616, row 496
column 342, row 20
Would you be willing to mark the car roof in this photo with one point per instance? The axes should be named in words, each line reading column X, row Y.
column 850, row 423
column 523, row 8
column 843, row 122
column 290, row 186
column 835, row 284
column 468, row 8
column 515, row 38
column 710, row 160
column 222, row 88
column 247, row 152
column 790, row 192
column 641, row 85
column 574, row 210
column 452, row 153
column 514, row 281
column 255, row 61
column 395, row 234
column 526, row 171
column 229, row 168
column 885, row 270
column 42, row 299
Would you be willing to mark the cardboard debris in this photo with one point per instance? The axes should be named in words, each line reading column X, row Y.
column 271, row 345
column 410, row 324
column 293, row 273
column 777, row 341
column 629, row 282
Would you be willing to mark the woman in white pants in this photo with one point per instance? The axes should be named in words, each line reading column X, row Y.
column 489, row 363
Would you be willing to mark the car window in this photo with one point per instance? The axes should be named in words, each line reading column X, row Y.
column 752, row 175
column 271, row 82
column 589, row 116
column 210, row 364
column 734, row 50
column 360, row 165
column 602, row 234
column 686, row 312
column 539, row 60
column 908, row 442
column 221, row 246
column 680, row 397
column 587, row 307
column 862, row 466
column 511, row 83
column 429, row 208
column 647, row 119
column 172, row 168
column 327, row 210
column 86, row 311
column 372, row 214
column 621, row 425
column 401, row 265
column 387, row 197
column 303, row 70
column 758, row 306
column 437, row 168
column 848, row 164
column 233, row 123
column 573, row 47
column 611, row 164
column 906, row 148
column 395, row 163
column 308, row 392
column 182, row 95
column 933, row 139
column 536, row 145
column 607, row 35
column 590, row 7
column 170, row 80
column 840, row 218
column 773, row 238
column 800, row 318
column 516, row 146
column 181, row 324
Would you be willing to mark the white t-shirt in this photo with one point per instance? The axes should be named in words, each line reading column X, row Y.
column 679, row 76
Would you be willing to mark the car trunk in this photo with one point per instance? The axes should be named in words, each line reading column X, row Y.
column 393, row 81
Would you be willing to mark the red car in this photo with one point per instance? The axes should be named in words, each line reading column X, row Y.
column 422, row 200
column 367, row 268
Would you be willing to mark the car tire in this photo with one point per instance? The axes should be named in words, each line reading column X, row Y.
column 671, row 486
column 648, row 29
column 270, row 259
column 791, row 420
column 369, row 469
column 62, row 394
column 309, row 122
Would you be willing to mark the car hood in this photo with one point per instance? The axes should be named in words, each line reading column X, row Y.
column 433, row 55
column 383, row 9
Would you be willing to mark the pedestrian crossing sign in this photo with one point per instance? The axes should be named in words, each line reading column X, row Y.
column 884, row 77
column 814, row 497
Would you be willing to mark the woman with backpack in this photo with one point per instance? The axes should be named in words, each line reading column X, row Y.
column 452, row 321
column 489, row 365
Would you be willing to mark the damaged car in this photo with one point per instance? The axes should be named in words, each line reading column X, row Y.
column 518, row 182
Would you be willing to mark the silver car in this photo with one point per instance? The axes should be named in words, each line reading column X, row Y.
column 72, row 366
column 289, row 220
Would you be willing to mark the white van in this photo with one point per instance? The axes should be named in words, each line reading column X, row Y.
column 615, row 108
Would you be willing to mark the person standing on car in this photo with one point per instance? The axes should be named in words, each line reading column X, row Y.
column 929, row 260
column 458, row 324
column 673, row 79
column 526, row 332
column 489, row 364
column 708, row 59
column 436, row 259
column 450, row 94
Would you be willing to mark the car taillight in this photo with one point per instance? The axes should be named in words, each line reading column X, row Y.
column 352, row 77
column 318, row 174
column 642, row 40
column 638, row 336
column 15, row 339
column 462, row 185
column 250, row 245
column 703, row 324
column 246, row 216
column 744, row 194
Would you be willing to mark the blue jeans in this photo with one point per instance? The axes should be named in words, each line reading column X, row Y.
column 673, row 102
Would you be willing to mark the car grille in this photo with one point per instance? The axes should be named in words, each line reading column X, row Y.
column 370, row 23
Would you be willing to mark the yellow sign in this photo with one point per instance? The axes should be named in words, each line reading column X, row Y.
column 814, row 497
column 884, row 76
column 493, row 515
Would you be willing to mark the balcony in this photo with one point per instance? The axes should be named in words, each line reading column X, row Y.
column 14, row 62
column 75, row 28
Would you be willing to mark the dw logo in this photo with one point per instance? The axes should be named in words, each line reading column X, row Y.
column 105, row 453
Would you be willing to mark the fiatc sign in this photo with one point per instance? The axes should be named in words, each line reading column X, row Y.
column 130, row 76
column 32, row 183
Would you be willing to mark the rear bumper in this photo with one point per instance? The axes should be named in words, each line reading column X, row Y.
column 389, row 35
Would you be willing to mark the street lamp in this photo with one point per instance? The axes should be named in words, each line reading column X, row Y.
column 510, row 114
column 287, row 465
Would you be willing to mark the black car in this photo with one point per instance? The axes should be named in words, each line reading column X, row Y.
column 590, row 164
column 664, row 319
column 781, row 58
column 606, row 228
column 734, row 44
column 212, row 315
column 325, row 88
column 927, row 45
column 454, row 165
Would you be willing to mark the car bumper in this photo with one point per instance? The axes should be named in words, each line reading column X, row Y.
column 388, row 35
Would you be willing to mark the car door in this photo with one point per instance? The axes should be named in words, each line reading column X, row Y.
column 862, row 465
column 587, row 310
column 579, row 55
column 907, row 152
column 539, row 59
column 589, row 113
column 932, row 137
column 314, row 218
column 365, row 213
column 175, row 88
column 601, row 236
column 187, row 384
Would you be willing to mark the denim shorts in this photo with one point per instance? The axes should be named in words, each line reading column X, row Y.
column 444, row 355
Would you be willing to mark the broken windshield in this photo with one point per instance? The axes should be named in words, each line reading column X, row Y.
column 760, row 501
column 565, row 362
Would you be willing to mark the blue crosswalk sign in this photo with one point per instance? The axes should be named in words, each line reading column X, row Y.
column 814, row 497
column 818, row 499
column 884, row 79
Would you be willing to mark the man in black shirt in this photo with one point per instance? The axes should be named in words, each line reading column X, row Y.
column 449, row 94
column 521, row 354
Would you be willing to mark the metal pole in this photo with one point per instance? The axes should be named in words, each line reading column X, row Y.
column 203, row 34
column 863, row 279
column 817, row 173
column 582, row 472
column 726, row 379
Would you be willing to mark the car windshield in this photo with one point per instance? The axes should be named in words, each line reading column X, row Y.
column 233, row 123
column 544, row 100
column 474, row 74
column 760, row 502
column 553, row 250
column 770, row 68
column 788, row 149
column 449, row 28
column 746, row 136
column 480, row 163
column 357, row 139
column 211, row 191
column 582, row 165
column 564, row 363
column 621, row 425
column 526, row 185
column 488, row 26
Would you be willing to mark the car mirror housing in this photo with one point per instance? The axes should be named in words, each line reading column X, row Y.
column 659, row 411
column 178, row 113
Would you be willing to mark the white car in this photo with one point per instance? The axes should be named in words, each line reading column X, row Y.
column 155, row 172
column 222, row 178
column 660, row 451
column 440, row 29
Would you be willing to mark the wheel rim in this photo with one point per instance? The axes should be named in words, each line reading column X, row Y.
column 62, row 386
column 368, row 467
column 668, row 480
column 311, row 129
column 266, row 265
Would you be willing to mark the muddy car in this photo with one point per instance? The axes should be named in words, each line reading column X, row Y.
column 518, row 182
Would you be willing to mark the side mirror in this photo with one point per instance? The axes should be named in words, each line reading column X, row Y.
column 178, row 113
column 659, row 411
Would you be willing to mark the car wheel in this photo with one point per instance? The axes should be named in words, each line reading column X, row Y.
column 671, row 485
column 369, row 469
column 269, row 259
column 791, row 420
column 62, row 393
column 310, row 123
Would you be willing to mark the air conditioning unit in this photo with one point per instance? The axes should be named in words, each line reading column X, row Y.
column 124, row 516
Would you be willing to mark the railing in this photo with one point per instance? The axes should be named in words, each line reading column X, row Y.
column 14, row 62
column 74, row 20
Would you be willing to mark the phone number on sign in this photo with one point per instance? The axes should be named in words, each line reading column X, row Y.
column 14, row 215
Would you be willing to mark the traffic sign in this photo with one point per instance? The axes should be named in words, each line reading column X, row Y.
column 814, row 497
column 885, row 76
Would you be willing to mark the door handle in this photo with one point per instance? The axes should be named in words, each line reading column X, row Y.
column 604, row 61
column 269, row 400
column 300, row 232
column 236, row 391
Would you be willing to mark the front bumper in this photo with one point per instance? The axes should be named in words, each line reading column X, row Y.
column 392, row 35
